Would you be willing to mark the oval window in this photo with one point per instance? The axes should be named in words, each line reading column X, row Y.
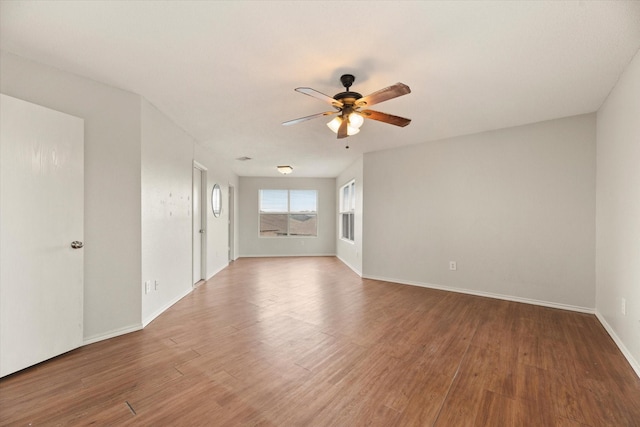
column 216, row 200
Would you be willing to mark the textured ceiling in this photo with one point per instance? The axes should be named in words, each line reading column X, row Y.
column 225, row 71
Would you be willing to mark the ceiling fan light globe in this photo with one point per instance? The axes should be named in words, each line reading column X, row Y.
column 334, row 124
column 352, row 131
column 355, row 120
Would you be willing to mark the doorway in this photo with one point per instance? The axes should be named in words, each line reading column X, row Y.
column 199, row 225
column 231, row 223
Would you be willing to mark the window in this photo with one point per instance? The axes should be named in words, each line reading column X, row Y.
column 288, row 213
column 347, row 210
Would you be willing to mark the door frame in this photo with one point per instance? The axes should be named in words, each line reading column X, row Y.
column 231, row 245
column 203, row 223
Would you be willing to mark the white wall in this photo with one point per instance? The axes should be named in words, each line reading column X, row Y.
column 135, row 157
column 167, row 162
column 618, row 213
column 515, row 208
column 253, row 245
column 112, row 252
column 168, row 155
column 351, row 252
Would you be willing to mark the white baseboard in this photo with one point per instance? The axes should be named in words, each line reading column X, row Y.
column 283, row 255
column 111, row 334
column 219, row 270
column 122, row 331
column 164, row 308
column 627, row 354
column 635, row 365
column 355, row 270
column 488, row 295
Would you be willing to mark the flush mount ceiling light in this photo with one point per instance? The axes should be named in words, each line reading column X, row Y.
column 285, row 170
column 350, row 107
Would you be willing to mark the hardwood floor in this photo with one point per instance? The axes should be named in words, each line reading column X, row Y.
column 306, row 342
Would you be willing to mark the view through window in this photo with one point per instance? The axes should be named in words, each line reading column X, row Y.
column 286, row 213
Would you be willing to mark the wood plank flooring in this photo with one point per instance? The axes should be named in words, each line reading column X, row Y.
column 306, row 342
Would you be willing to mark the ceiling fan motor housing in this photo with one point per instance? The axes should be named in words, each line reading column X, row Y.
column 348, row 97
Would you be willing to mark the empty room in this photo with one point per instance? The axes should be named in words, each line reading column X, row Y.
column 320, row 213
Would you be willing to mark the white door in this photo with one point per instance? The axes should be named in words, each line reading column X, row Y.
column 198, row 230
column 41, row 214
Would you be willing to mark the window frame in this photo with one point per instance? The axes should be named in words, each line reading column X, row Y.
column 289, row 214
column 346, row 210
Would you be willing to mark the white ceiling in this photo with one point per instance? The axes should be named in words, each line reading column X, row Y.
column 225, row 71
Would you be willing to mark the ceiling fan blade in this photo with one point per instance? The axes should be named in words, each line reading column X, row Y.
column 385, row 94
column 342, row 130
column 386, row 118
column 304, row 119
column 319, row 95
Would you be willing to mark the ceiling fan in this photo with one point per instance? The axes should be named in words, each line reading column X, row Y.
column 352, row 108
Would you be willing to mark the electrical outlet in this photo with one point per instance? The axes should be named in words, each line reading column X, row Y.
column 147, row 286
column 453, row 266
column 623, row 306
column 156, row 285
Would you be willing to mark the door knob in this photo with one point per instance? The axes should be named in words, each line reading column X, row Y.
column 76, row 244
column 202, row 231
